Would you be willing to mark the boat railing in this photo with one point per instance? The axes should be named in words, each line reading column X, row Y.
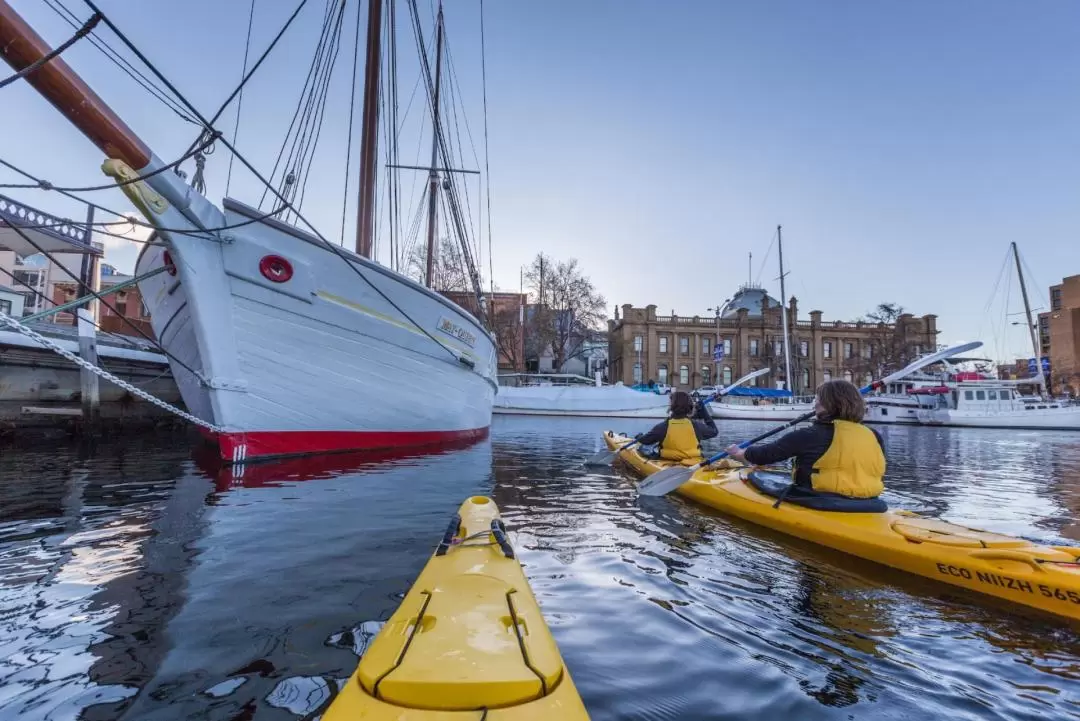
column 523, row 380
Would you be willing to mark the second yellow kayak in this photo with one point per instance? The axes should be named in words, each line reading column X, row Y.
column 1014, row 569
column 467, row 643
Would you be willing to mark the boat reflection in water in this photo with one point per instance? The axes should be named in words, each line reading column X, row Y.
column 228, row 476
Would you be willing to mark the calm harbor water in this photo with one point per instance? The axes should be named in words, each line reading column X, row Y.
column 140, row 581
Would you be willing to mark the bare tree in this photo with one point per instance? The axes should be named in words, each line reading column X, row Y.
column 887, row 348
column 448, row 273
column 508, row 327
column 568, row 309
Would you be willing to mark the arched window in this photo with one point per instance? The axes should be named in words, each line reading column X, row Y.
column 637, row 372
column 684, row 375
column 848, row 376
column 828, row 376
column 806, row 379
column 727, row 375
column 661, row 374
column 706, row 375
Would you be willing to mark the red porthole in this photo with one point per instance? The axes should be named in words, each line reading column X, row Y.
column 167, row 261
column 275, row 268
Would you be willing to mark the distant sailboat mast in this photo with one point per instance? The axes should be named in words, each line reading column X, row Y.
column 1043, row 384
column 789, row 384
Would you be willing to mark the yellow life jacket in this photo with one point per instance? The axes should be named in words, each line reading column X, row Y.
column 853, row 465
column 681, row 442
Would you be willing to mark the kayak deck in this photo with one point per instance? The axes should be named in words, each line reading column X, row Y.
column 467, row 642
column 1014, row 569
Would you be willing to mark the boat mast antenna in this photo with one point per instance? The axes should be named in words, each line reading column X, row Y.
column 365, row 206
column 784, row 314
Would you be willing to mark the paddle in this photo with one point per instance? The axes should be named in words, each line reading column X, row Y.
column 669, row 479
column 605, row 457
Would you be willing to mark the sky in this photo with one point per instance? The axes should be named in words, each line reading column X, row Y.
column 902, row 145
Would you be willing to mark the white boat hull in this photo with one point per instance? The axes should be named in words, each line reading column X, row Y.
column 580, row 401
column 891, row 413
column 329, row 359
column 762, row 412
column 1064, row 418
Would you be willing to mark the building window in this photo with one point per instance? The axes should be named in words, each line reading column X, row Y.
column 684, row 345
column 868, row 379
column 778, row 348
column 918, row 350
column 637, row 373
column 753, row 347
column 826, row 349
column 705, row 375
column 848, row 376
column 849, row 350
column 754, row 381
column 727, row 346
column 727, row 375
column 827, row 375
column 684, row 375
column 806, row 378
column 5, row 307
column 804, row 350
column 1055, row 299
column 868, row 351
column 663, row 344
column 706, row 345
column 661, row 374
column 637, row 343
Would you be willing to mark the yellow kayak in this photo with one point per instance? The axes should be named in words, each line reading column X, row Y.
column 1014, row 569
column 467, row 643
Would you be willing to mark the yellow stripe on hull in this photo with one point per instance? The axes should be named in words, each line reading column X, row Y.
column 1013, row 569
column 468, row 641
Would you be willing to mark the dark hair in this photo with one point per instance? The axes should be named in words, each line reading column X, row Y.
column 682, row 404
column 841, row 401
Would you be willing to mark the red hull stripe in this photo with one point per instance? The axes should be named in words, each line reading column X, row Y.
column 239, row 447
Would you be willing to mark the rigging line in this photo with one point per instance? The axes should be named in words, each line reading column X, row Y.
column 456, row 81
column 240, row 96
column 300, row 103
column 79, row 35
column 1030, row 274
column 86, row 290
column 768, row 254
column 294, row 164
column 321, row 107
column 452, row 99
column 330, row 246
column 487, row 166
column 993, row 293
column 121, row 62
column 239, row 88
column 349, row 132
column 46, row 185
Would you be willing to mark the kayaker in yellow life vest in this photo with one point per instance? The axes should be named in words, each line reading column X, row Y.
column 836, row 454
column 680, row 435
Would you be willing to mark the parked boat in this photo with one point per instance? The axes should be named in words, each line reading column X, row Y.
column 997, row 404
column 604, row 401
column 761, row 404
column 297, row 345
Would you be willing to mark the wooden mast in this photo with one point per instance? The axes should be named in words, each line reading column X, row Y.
column 369, row 151
column 433, row 178
column 21, row 46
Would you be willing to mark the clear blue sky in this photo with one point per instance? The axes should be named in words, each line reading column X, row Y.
column 902, row 145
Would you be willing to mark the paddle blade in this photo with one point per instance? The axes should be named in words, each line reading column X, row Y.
column 665, row 481
column 603, row 458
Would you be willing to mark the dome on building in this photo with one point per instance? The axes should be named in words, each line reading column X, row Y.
column 749, row 297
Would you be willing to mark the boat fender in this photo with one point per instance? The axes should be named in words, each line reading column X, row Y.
column 448, row 537
column 498, row 530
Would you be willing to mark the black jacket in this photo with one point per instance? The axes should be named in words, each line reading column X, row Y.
column 805, row 445
column 704, row 427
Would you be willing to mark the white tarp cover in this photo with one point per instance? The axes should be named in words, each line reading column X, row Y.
column 580, row 399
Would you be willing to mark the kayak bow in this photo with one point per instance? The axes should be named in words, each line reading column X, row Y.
column 467, row 643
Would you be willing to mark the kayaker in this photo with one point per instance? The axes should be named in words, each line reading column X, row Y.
column 680, row 435
column 836, row 454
